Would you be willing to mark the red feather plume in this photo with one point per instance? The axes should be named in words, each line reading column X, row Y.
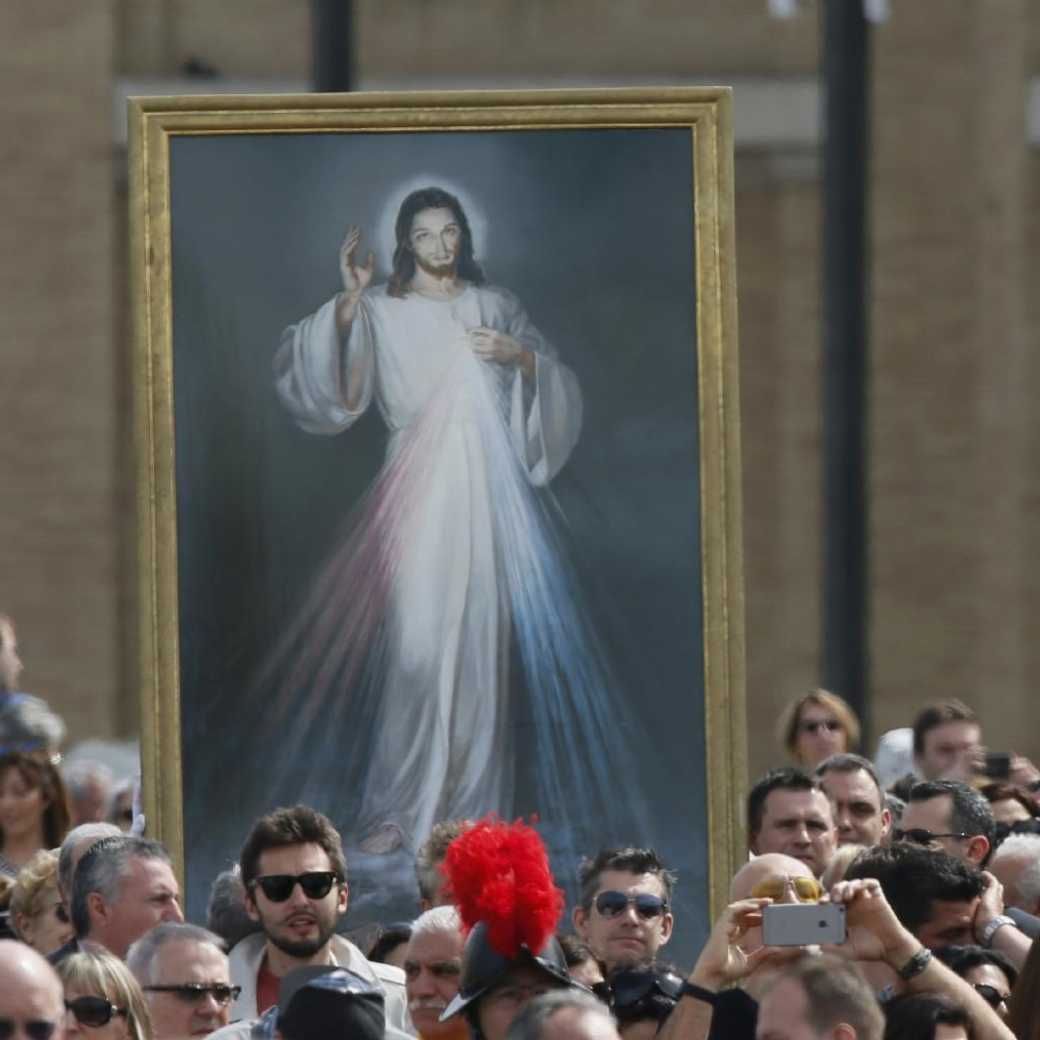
column 499, row 873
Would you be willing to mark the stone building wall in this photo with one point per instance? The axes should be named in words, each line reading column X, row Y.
column 955, row 233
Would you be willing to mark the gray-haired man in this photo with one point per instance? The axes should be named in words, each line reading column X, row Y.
column 183, row 971
column 122, row 887
column 564, row 1014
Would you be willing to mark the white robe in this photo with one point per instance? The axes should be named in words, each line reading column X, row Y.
column 468, row 440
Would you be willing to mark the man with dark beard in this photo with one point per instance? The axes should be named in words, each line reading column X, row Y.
column 295, row 880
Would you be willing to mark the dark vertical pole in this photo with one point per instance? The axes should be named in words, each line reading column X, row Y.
column 845, row 69
column 332, row 45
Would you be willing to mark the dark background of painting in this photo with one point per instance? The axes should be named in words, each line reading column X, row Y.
column 593, row 231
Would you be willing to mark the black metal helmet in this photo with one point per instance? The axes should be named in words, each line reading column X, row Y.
column 483, row 967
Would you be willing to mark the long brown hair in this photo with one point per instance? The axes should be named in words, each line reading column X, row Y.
column 38, row 771
column 404, row 258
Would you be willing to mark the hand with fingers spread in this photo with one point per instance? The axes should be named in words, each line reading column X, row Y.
column 355, row 277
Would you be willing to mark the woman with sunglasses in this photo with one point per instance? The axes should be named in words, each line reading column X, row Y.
column 103, row 999
column 38, row 915
column 34, row 811
column 817, row 725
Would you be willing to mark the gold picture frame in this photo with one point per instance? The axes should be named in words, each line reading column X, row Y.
column 184, row 180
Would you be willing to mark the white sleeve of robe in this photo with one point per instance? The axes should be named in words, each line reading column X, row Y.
column 312, row 366
column 311, row 369
column 544, row 428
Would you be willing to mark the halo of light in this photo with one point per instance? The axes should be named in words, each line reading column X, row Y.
column 385, row 242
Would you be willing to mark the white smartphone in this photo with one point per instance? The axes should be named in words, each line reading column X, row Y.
column 803, row 924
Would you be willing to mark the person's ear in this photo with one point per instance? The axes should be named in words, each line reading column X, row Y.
column 250, row 904
column 579, row 918
column 886, row 823
column 25, row 926
column 97, row 908
column 343, row 898
column 667, row 924
column 843, row 1031
column 978, row 849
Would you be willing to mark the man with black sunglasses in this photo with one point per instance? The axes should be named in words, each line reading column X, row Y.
column 32, row 1004
column 624, row 914
column 295, row 880
column 184, row 974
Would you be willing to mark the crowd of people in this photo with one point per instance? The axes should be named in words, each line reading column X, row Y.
column 926, row 861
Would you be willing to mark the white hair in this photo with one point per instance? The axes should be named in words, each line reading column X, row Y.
column 1023, row 891
column 81, row 835
column 142, row 956
column 80, row 774
column 530, row 1023
column 441, row 920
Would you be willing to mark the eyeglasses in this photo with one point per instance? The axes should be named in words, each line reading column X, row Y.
column 808, row 889
column 316, row 884
column 614, row 904
column 832, row 725
column 990, row 994
column 93, row 1011
column 193, row 992
column 920, row 836
column 38, row 1029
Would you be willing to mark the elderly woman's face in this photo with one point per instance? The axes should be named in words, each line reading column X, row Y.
column 22, row 804
column 49, row 927
column 820, row 735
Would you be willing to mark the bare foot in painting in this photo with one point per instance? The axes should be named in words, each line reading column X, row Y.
column 383, row 840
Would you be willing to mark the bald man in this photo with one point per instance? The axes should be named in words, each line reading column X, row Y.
column 30, row 993
column 734, row 950
column 776, row 876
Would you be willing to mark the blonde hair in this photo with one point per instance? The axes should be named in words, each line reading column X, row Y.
column 100, row 973
column 790, row 717
column 40, row 873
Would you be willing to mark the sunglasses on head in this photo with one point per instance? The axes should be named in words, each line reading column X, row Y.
column 193, row 992
column 920, row 836
column 990, row 994
column 316, row 884
column 808, row 889
column 613, row 904
column 93, row 1011
column 829, row 724
column 35, row 1030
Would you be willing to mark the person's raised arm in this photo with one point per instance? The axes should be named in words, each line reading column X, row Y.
column 994, row 929
column 875, row 934
column 722, row 961
column 355, row 278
